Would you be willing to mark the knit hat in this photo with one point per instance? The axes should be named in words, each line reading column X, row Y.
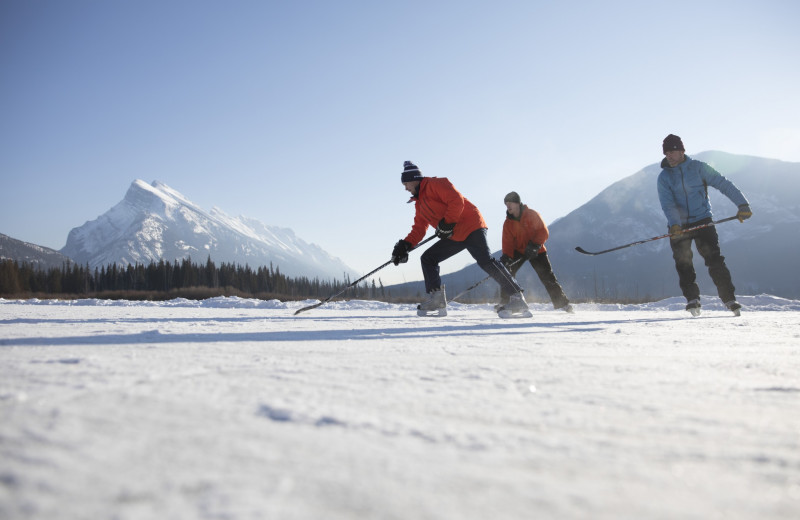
column 512, row 197
column 410, row 172
column 673, row 142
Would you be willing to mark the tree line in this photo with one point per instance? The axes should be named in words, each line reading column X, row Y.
column 163, row 280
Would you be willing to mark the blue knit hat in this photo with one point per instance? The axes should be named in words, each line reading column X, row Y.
column 410, row 172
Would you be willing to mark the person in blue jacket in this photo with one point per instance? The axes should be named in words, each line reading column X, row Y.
column 683, row 192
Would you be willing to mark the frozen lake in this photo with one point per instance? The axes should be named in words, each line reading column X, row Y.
column 237, row 409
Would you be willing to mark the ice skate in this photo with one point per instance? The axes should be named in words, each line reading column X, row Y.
column 434, row 305
column 735, row 307
column 515, row 308
column 693, row 307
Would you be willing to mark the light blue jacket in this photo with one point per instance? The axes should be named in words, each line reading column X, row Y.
column 683, row 191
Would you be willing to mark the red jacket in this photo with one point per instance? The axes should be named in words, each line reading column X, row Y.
column 437, row 199
column 518, row 232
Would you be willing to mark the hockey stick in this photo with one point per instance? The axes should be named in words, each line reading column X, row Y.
column 468, row 289
column 357, row 281
column 659, row 237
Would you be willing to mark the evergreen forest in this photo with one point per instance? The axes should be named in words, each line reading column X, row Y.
column 164, row 280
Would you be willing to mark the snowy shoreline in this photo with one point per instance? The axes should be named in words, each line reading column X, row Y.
column 762, row 302
column 237, row 409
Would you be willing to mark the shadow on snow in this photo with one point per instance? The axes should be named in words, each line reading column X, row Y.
column 505, row 328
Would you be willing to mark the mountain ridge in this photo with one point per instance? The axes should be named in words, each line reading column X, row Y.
column 155, row 222
column 34, row 255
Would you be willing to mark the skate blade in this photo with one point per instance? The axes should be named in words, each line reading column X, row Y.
column 509, row 315
column 437, row 313
column 737, row 312
column 694, row 312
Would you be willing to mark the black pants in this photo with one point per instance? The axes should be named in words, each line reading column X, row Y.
column 541, row 264
column 707, row 242
column 478, row 247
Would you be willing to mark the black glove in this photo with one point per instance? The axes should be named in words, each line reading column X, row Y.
column 444, row 230
column 506, row 260
column 531, row 250
column 744, row 212
column 400, row 252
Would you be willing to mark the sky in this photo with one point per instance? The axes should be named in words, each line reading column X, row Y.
column 300, row 114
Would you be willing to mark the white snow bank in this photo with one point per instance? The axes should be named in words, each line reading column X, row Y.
column 761, row 302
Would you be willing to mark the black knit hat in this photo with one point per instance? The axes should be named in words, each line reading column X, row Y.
column 512, row 197
column 410, row 172
column 673, row 142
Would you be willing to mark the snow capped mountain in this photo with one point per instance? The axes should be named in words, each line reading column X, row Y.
column 762, row 253
column 155, row 222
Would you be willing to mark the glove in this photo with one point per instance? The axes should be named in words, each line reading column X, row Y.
column 400, row 252
column 675, row 230
column 532, row 250
column 744, row 212
column 444, row 230
column 506, row 260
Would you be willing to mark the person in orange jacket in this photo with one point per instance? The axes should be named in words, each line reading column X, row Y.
column 460, row 226
column 524, row 235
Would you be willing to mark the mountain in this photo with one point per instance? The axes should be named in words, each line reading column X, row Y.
column 762, row 253
column 155, row 222
column 36, row 256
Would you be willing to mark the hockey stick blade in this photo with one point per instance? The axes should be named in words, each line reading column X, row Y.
column 298, row 311
column 585, row 252
column 353, row 284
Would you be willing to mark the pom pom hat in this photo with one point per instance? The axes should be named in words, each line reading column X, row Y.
column 410, row 172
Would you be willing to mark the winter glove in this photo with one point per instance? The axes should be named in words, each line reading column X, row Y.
column 400, row 252
column 444, row 230
column 744, row 212
column 532, row 250
column 675, row 230
column 506, row 260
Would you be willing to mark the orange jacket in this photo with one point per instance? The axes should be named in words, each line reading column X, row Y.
column 437, row 199
column 518, row 232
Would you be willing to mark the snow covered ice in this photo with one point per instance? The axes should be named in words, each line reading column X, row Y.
column 236, row 409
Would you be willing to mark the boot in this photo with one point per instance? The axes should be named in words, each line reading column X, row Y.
column 735, row 307
column 515, row 308
column 434, row 305
column 693, row 306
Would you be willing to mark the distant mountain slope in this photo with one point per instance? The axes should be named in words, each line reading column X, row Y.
column 762, row 253
column 155, row 222
column 36, row 256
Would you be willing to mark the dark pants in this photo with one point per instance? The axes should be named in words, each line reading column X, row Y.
column 541, row 264
column 478, row 247
column 707, row 242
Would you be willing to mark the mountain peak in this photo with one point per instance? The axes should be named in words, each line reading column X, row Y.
column 156, row 193
column 156, row 222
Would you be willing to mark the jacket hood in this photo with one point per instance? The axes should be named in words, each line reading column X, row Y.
column 415, row 196
column 522, row 207
column 665, row 164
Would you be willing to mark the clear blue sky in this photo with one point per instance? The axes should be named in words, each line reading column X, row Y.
column 300, row 114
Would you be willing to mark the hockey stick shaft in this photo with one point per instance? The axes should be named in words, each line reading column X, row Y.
column 332, row 296
column 659, row 237
column 468, row 289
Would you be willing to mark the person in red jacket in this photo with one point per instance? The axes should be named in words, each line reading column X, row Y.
column 460, row 226
column 524, row 235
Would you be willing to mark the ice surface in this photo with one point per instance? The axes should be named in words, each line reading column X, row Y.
column 236, row 409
